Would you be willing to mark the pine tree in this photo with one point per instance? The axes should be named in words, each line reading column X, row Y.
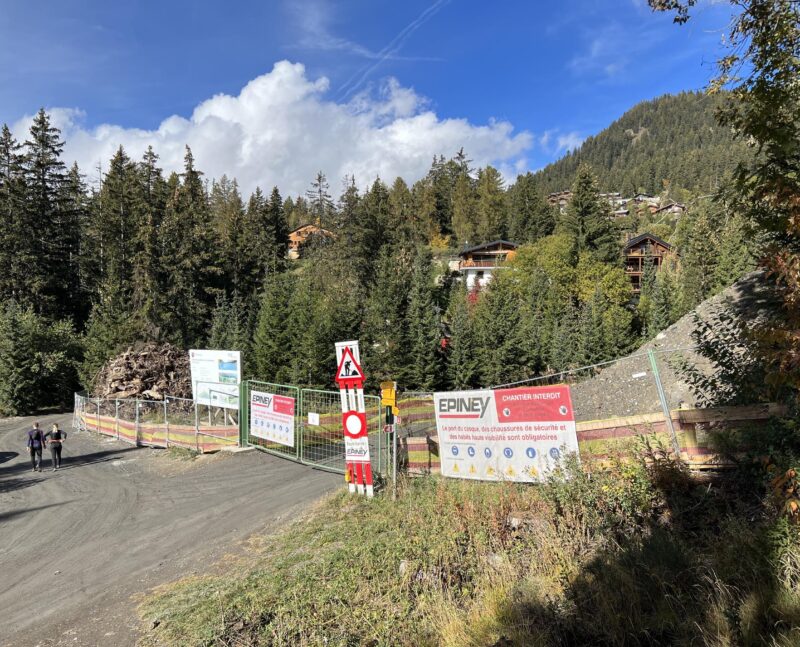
column 15, row 250
column 424, row 332
column 530, row 217
column 401, row 227
column 277, row 245
column 698, row 262
column 465, row 211
column 664, row 297
column 230, row 330
column 735, row 255
column 320, row 204
column 46, row 219
column 272, row 337
column 147, row 297
column 190, row 265
column 500, row 332
column 462, row 350
column 385, row 329
column 588, row 219
column 38, row 360
column 491, row 205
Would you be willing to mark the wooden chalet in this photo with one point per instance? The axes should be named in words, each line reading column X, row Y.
column 636, row 251
column 477, row 264
column 300, row 235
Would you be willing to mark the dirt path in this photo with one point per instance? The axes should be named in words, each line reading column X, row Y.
column 76, row 544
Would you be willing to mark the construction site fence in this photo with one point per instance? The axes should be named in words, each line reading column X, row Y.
column 651, row 393
column 316, row 437
column 172, row 422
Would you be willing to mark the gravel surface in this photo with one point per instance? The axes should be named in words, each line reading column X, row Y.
column 627, row 387
column 116, row 520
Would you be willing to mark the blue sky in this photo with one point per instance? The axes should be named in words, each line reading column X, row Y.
column 549, row 73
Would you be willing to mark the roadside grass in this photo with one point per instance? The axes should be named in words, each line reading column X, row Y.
column 635, row 553
column 180, row 453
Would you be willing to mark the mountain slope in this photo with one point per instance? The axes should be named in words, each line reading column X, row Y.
column 672, row 140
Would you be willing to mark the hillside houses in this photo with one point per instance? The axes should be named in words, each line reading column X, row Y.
column 621, row 207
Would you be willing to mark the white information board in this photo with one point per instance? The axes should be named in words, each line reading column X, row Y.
column 215, row 377
column 505, row 435
column 272, row 417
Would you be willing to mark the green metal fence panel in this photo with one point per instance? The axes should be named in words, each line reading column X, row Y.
column 322, row 439
column 292, row 450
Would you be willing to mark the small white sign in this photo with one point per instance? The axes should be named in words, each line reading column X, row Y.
column 313, row 419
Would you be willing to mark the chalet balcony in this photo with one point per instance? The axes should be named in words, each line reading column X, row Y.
column 468, row 264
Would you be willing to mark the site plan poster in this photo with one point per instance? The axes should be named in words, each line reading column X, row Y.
column 272, row 417
column 215, row 377
column 505, row 435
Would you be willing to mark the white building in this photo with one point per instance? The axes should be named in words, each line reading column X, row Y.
column 477, row 264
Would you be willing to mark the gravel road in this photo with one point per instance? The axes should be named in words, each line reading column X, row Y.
column 116, row 520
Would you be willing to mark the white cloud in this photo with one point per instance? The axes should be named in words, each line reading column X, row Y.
column 281, row 129
column 568, row 142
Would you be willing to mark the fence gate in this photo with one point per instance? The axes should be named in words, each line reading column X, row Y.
column 322, row 439
column 316, row 437
column 289, row 445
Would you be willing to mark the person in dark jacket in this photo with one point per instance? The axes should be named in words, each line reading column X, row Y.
column 36, row 443
column 55, row 437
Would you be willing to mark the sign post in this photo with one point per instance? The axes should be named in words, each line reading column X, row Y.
column 350, row 379
column 389, row 402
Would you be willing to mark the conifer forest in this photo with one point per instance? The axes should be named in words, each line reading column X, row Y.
column 88, row 269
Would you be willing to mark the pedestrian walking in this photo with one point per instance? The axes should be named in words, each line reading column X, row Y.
column 55, row 437
column 36, row 443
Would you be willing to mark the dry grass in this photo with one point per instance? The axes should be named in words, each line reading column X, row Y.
column 633, row 555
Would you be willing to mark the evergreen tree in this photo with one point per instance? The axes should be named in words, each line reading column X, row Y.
column 16, row 253
column 735, row 256
column 588, row 219
column 38, row 360
column 500, row 333
column 424, row 331
column 385, row 328
column 272, row 337
column 147, row 290
column 230, row 330
column 320, row 204
column 402, row 227
column 47, row 221
column 462, row 350
column 664, row 297
column 698, row 262
column 530, row 217
column 276, row 246
column 465, row 215
column 491, row 205
column 189, row 262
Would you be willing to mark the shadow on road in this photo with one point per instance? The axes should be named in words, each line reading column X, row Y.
column 7, row 456
column 11, row 514
column 68, row 462
column 12, row 484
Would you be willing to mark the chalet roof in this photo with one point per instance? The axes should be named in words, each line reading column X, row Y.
column 646, row 236
column 478, row 248
column 312, row 226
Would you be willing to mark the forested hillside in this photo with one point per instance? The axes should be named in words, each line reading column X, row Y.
column 146, row 256
column 672, row 142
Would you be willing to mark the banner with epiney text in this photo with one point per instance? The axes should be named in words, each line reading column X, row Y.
column 506, row 434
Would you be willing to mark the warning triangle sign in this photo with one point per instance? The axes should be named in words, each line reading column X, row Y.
column 349, row 370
